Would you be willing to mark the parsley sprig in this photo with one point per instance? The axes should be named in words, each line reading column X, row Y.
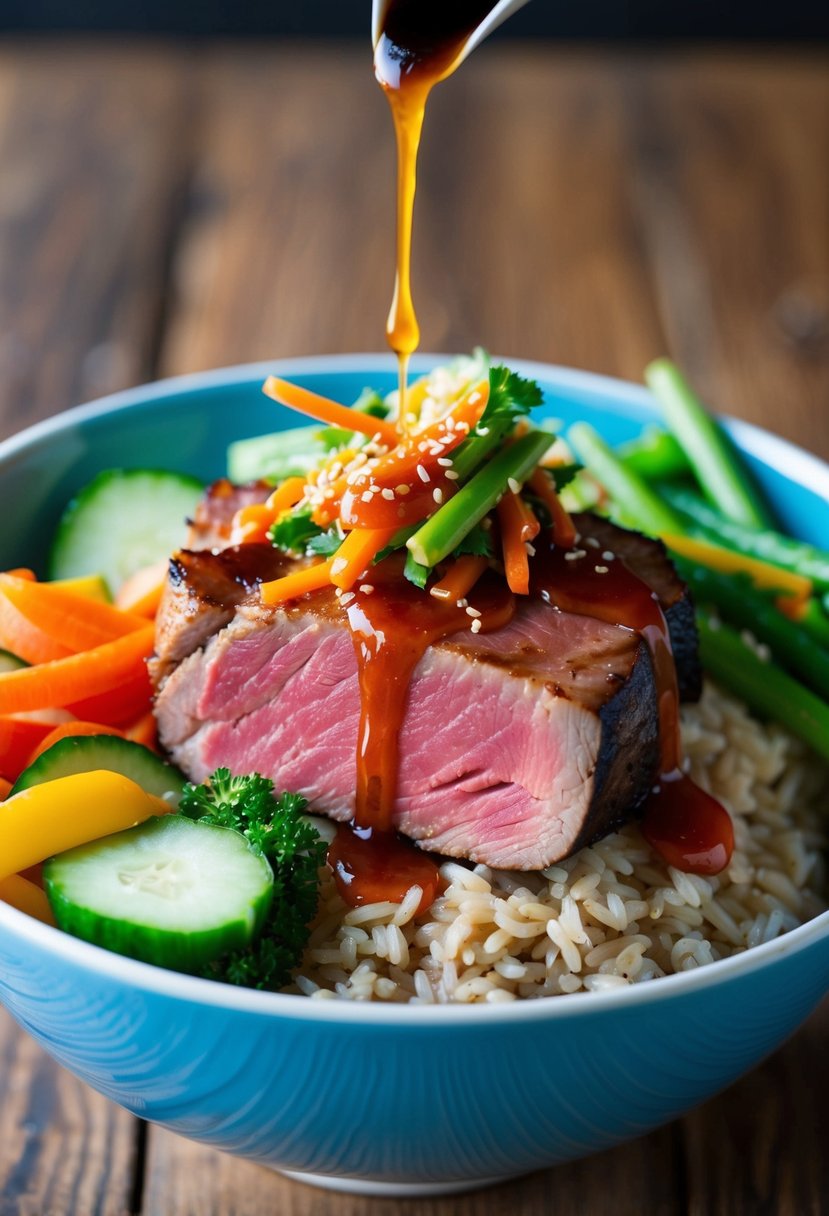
column 276, row 827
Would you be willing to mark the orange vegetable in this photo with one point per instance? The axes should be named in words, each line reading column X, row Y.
column 64, row 681
column 26, row 897
column 356, row 554
column 5, row 788
column 141, row 593
column 564, row 531
column 250, row 524
column 22, row 638
column 119, row 705
column 74, row 621
column 460, row 578
column 324, row 410
column 285, row 496
column 311, row 578
column 144, row 730
column 516, row 558
column 69, row 730
column 22, row 572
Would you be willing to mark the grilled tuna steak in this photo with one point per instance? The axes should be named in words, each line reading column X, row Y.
column 517, row 747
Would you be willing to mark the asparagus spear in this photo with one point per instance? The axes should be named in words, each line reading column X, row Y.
column 449, row 525
column 741, row 605
column 762, row 685
column 637, row 501
column 713, row 457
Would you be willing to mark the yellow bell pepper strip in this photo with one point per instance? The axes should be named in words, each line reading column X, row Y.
column 762, row 574
column 58, row 815
column 26, row 897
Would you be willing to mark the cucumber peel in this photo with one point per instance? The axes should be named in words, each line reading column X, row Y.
column 86, row 753
column 173, row 892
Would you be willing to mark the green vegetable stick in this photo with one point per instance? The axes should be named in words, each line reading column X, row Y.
column 741, row 605
column 436, row 539
column 633, row 495
column 765, row 543
column 762, row 685
column 713, row 457
column 654, row 455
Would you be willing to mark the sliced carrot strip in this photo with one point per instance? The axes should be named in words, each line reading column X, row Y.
column 305, row 402
column 63, row 681
column 516, row 558
column 144, row 730
column 251, row 524
column 460, row 578
column 72, row 620
column 141, row 593
column 70, row 730
column 564, row 530
column 291, row 586
column 5, row 788
column 356, row 554
column 287, row 495
column 18, row 738
column 26, row 897
column 21, row 637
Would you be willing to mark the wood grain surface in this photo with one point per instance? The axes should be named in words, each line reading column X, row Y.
column 165, row 209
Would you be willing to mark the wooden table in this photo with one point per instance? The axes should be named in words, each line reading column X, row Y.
column 165, row 209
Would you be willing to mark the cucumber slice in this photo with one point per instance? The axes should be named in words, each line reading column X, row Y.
column 86, row 753
column 10, row 662
column 173, row 892
column 123, row 520
column 93, row 586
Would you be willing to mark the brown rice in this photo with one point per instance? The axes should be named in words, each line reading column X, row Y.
column 614, row 913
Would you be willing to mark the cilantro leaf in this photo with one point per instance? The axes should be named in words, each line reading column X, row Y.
column 276, row 827
column 510, row 397
column 294, row 531
column 325, row 543
column 476, row 543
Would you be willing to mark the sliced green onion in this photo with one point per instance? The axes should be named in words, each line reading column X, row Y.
column 715, row 460
column 436, row 539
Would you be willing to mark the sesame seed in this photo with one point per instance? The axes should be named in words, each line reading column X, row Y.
column 422, row 474
column 329, row 494
column 387, row 494
column 602, row 569
column 402, row 489
column 482, row 430
column 366, row 588
column 474, row 398
column 335, row 470
column 437, row 494
column 346, row 599
column 338, row 565
column 449, row 423
column 592, row 542
column 514, row 485
column 423, row 445
column 366, row 496
column 462, row 426
column 530, row 548
column 608, row 556
column 452, row 475
column 461, row 603
column 573, row 555
column 472, row 612
column 475, row 626
column 444, row 462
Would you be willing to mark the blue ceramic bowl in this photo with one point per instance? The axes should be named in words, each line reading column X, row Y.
column 398, row 1100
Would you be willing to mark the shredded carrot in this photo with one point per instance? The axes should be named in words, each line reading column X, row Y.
column 18, row 738
column 356, row 554
column 21, row 637
column 460, row 578
column 311, row 578
column 5, row 788
column 63, row 681
column 141, row 593
column 324, row 410
column 70, row 730
column 564, row 530
column 74, row 621
column 144, row 730
column 251, row 524
column 516, row 558
column 285, row 496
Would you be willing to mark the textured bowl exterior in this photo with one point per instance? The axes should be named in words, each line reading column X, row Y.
column 403, row 1097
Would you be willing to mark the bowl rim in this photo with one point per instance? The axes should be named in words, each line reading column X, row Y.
column 618, row 396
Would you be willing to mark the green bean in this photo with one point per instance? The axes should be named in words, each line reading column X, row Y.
column 635, row 498
column 654, row 455
column 740, row 604
column 770, row 546
column 763, row 686
column 713, row 457
column 450, row 524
